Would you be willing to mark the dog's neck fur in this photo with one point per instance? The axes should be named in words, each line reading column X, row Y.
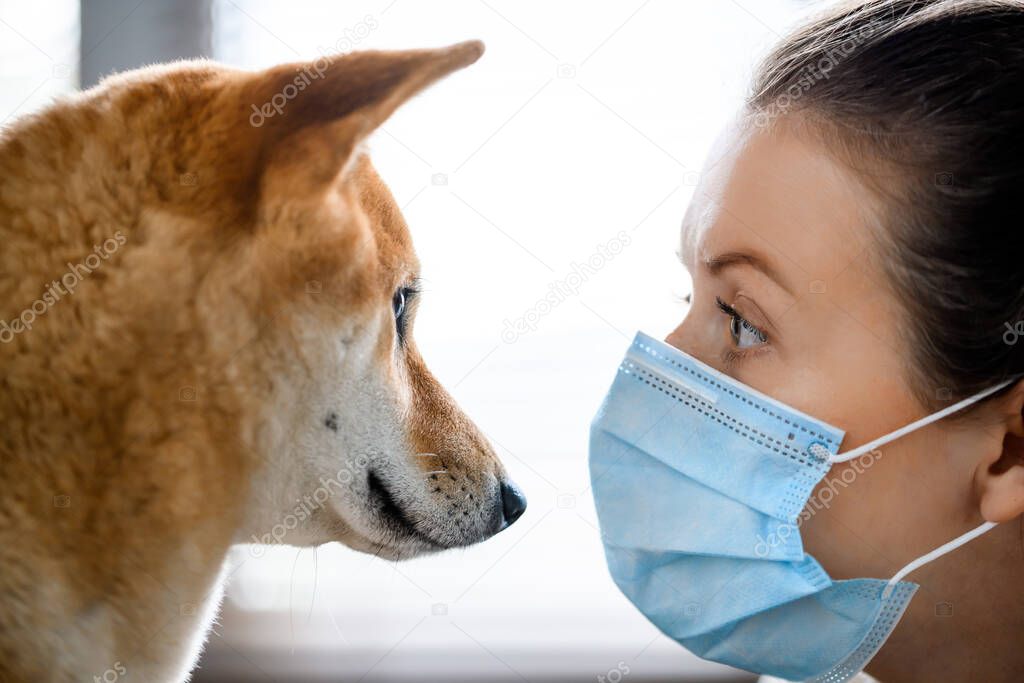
column 122, row 456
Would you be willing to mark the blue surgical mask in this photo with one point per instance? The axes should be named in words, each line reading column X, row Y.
column 700, row 483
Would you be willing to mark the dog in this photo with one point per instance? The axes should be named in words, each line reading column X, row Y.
column 207, row 298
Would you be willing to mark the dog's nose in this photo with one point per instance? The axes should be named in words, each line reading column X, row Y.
column 513, row 502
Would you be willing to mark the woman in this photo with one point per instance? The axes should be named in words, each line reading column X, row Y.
column 782, row 483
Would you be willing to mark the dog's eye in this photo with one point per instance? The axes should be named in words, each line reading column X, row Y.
column 400, row 305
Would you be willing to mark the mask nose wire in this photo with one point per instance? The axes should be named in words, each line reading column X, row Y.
column 926, row 420
column 936, row 554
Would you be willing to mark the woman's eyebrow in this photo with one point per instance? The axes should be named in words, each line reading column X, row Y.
column 717, row 264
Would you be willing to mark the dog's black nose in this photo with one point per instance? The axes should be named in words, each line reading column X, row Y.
column 513, row 502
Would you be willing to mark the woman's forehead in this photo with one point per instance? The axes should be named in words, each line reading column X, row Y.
column 704, row 207
column 776, row 193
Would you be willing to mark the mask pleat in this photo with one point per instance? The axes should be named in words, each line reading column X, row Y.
column 666, row 402
column 649, row 505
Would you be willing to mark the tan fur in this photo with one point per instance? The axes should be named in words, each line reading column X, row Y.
column 161, row 411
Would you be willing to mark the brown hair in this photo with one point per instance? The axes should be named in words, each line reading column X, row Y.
column 933, row 93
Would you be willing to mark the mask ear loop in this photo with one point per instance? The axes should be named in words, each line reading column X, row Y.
column 936, row 554
column 903, row 431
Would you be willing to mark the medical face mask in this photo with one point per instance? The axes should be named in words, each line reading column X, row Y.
column 700, row 484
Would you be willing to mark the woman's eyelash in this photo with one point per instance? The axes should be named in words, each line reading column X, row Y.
column 727, row 309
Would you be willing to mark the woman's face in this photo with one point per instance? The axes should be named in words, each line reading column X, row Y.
column 788, row 297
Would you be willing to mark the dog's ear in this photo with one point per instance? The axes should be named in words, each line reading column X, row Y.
column 311, row 116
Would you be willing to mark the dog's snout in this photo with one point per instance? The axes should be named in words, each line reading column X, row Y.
column 513, row 502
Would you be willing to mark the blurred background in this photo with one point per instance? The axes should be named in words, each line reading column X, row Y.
column 544, row 187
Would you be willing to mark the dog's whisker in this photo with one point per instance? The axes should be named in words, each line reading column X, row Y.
column 316, row 576
column 291, row 594
column 438, row 472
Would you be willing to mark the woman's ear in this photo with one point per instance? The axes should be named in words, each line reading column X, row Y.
column 999, row 477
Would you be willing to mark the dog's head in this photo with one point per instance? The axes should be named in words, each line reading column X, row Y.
column 269, row 275
column 380, row 456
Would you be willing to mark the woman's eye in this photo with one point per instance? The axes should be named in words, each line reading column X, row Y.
column 744, row 334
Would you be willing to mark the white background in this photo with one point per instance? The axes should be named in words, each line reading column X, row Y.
column 582, row 120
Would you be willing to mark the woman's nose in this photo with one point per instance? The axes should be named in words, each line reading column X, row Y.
column 677, row 337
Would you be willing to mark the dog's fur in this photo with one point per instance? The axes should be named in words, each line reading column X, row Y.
column 227, row 364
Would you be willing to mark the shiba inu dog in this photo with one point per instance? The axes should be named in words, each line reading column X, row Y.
column 206, row 311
